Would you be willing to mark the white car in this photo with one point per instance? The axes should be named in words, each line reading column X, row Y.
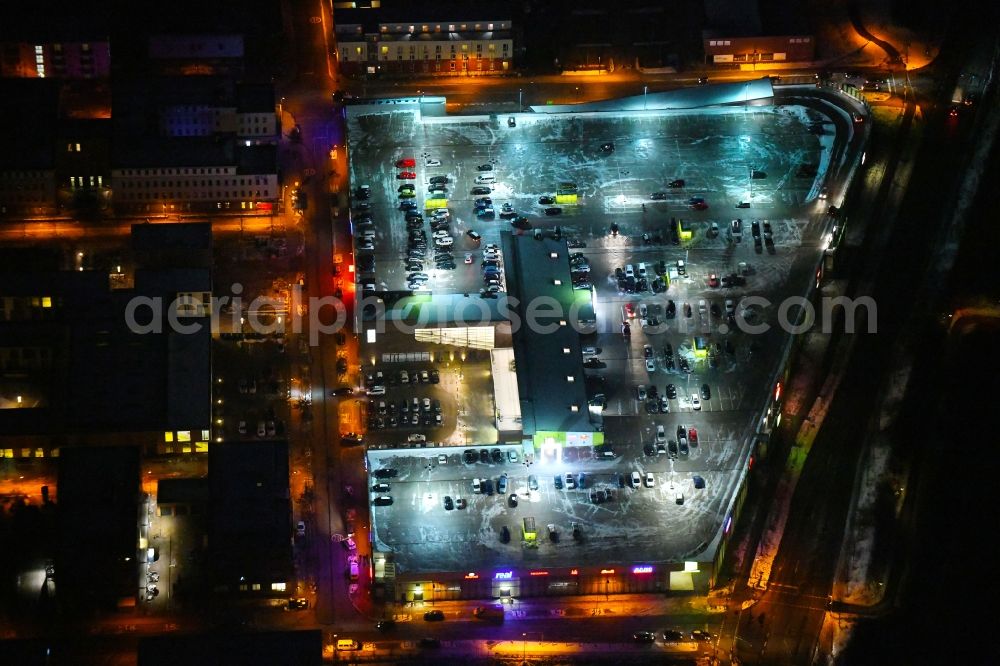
column 442, row 234
column 570, row 481
column 649, row 481
column 415, row 438
column 661, row 434
column 650, row 365
column 730, row 306
column 446, row 241
column 243, row 427
column 476, row 485
column 432, row 163
column 635, row 480
column 695, row 402
column 376, row 390
column 261, row 429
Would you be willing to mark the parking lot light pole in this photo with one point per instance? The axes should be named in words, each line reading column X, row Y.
column 519, row 107
column 645, row 89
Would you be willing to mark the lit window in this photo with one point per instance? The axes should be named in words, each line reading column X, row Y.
column 557, row 282
column 168, row 437
column 183, row 435
column 574, row 408
column 553, row 255
column 277, row 587
column 570, row 378
column 566, row 350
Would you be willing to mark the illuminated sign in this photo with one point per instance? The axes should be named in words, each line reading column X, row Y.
column 503, row 575
column 607, row 571
column 471, row 576
column 539, row 573
column 573, row 572
column 645, row 569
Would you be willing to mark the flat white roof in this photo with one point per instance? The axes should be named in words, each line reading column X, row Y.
column 505, row 395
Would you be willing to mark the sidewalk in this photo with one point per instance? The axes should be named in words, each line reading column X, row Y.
column 597, row 605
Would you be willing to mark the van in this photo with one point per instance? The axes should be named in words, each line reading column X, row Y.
column 347, row 644
column 485, row 179
column 642, row 269
column 629, row 271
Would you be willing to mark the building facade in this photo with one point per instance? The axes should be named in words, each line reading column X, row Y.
column 742, row 51
column 196, row 186
column 447, row 48
column 56, row 60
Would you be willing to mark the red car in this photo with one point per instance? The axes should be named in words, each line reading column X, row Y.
column 693, row 435
column 699, row 205
column 630, row 310
column 713, row 280
column 406, row 163
column 406, row 175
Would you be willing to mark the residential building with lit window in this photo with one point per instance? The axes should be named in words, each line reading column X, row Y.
column 54, row 40
column 402, row 42
column 74, row 371
column 194, row 144
column 83, row 163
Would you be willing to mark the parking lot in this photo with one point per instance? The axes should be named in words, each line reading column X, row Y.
column 656, row 196
column 714, row 152
column 462, row 397
column 634, row 523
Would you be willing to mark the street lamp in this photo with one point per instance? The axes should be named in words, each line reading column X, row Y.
column 524, row 646
column 645, row 89
column 519, row 107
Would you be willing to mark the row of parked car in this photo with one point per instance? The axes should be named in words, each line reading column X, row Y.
column 377, row 380
column 403, row 414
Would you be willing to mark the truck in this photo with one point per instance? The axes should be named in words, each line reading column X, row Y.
column 489, row 613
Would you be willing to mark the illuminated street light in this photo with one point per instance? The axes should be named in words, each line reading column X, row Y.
column 645, row 89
